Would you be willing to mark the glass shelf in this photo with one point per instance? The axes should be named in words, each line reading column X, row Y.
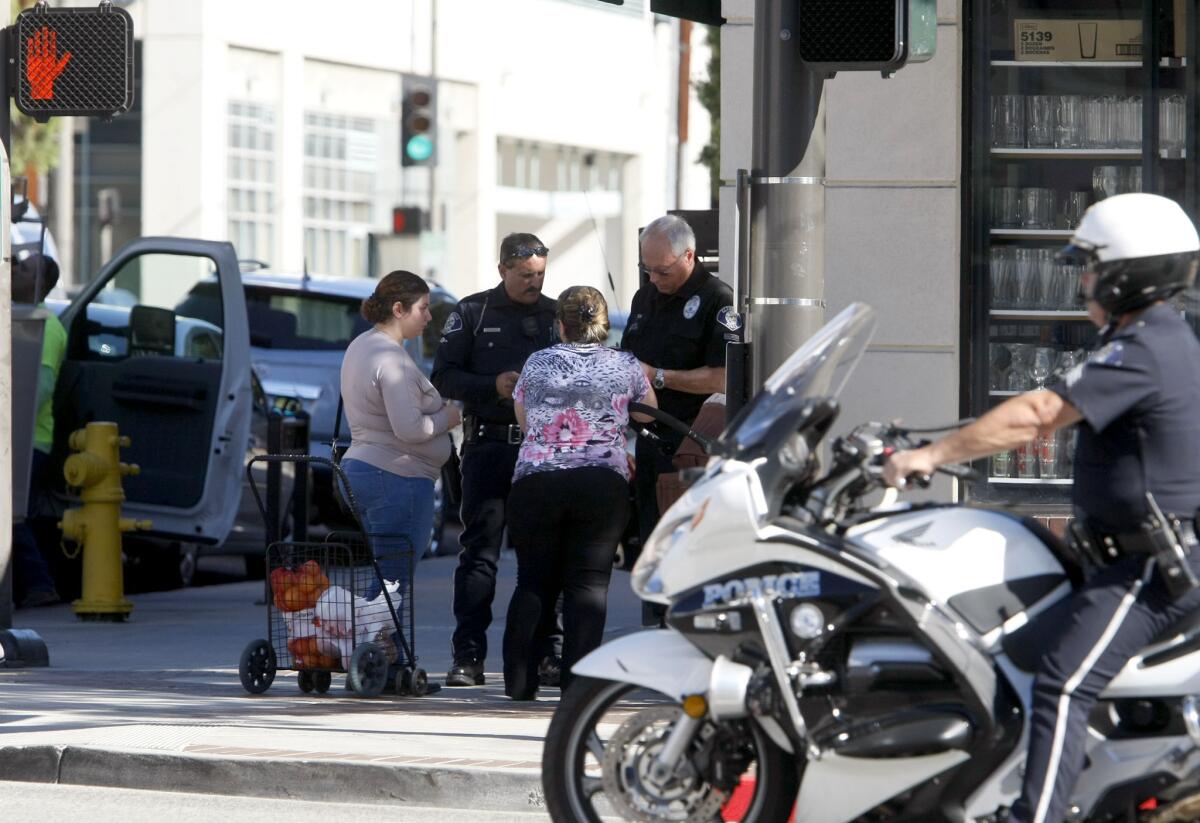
column 1003, row 393
column 1039, row 314
column 1031, row 481
column 1006, row 153
column 1031, row 234
column 1165, row 63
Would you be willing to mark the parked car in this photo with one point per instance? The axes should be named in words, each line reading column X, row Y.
column 299, row 330
column 179, row 385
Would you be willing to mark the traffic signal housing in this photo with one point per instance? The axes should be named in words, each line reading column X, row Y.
column 407, row 220
column 853, row 35
column 418, row 121
column 73, row 61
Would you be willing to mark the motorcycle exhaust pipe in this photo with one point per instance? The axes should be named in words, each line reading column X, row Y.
column 727, row 688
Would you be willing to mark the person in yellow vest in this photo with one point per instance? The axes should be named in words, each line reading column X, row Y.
column 33, row 277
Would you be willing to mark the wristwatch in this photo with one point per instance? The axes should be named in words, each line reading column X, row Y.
column 660, row 378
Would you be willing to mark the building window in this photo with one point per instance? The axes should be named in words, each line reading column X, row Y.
column 251, row 180
column 340, row 163
column 549, row 167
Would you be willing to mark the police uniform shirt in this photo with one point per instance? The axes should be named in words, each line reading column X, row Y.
column 488, row 334
column 1139, row 395
column 681, row 331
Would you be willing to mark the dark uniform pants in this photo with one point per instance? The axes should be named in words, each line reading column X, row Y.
column 650, row 462
column 1110, row 620
column 487, row 470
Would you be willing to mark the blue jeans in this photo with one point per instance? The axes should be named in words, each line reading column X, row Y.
column 397, row 515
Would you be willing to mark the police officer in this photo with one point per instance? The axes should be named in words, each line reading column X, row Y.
column 679, row 324
column 1135, row 401
column 484, row 344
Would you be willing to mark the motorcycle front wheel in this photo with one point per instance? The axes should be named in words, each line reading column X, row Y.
column 602, row 742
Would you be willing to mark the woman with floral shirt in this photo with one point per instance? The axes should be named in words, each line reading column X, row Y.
column 570, row 497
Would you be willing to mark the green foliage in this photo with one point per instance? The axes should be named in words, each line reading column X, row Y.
column 33, row 144
column 709, row 93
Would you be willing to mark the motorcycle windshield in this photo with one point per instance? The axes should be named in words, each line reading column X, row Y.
column 819, row 368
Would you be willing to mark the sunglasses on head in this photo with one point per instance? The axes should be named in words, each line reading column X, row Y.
column 526, row 251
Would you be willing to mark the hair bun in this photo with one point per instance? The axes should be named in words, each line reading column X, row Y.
column 587, row 311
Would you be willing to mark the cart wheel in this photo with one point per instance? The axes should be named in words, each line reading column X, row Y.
column 403, row 681
column 368, row 670
column 257, row 667
column 420, row 683
column 321, row 681
column 305, row 680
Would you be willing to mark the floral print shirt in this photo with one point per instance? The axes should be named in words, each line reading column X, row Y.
column 576, row 400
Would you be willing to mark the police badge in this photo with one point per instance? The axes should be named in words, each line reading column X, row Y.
column 691, row 307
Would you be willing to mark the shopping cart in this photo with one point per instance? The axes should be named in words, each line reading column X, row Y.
column 330, row 608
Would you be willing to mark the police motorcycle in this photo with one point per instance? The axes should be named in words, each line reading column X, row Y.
column 844, row 662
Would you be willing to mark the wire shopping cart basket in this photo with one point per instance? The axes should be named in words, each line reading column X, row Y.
column 340, row 604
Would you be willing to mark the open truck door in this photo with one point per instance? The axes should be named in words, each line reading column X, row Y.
column 179, row 386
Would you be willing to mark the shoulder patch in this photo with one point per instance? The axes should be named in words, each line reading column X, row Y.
column 691, row 307
column 730, row 319
column 453, row 323
column 1112, row 354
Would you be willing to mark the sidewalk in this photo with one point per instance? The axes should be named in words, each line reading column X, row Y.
column 156, row 704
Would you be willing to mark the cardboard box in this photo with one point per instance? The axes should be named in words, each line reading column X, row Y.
column 1180, row 28
column 1077, row 40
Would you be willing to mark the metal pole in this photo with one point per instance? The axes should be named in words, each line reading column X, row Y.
column 6, row 418
column 786, row 295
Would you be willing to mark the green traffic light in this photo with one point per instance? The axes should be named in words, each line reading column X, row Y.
column 419, row 148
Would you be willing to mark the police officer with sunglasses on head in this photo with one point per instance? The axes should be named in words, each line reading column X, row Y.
column 484, row 344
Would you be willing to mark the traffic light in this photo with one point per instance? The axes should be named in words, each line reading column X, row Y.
column 407, row 220
column 73, row 62
column 418, row 122
column 853, row 35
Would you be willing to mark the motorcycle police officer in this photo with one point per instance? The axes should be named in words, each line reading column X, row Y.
column 484, row 344
column 1136, row 401
column 679, row 325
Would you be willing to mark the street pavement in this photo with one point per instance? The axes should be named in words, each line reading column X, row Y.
column 156, row 704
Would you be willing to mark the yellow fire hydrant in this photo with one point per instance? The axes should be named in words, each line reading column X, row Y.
column 97, row 526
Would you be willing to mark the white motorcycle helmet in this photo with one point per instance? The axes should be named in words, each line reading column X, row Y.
column 1142, row 247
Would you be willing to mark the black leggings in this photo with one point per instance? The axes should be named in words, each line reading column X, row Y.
column 565, row 526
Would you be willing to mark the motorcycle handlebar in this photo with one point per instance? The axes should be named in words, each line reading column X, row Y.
column 672, row 423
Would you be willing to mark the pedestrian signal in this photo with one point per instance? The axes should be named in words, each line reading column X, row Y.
column 418, row 126
column 852, row 35
column 73, row 62
column 407, row 220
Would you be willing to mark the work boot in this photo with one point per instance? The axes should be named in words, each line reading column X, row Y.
column 465, row 672
column 39, row 597
column 550, row 671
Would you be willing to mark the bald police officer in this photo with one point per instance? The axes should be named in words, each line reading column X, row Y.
column 679, row 325
column 1137, row 474
column 484, row 344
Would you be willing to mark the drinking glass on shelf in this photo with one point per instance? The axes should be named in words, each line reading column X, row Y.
column 1000, row 267
column 1087, row 40
column 1025, row 276
column 1037, row 208
column 1018, row 372
column 1002, row 463
column 1106, row 181
column 1171, row 129
column 1129, row 122
column 1074, row 205
column 1068, row 121
column 1039, row 120
column 1026, row 460
column 1006, row 207
column 1130, row 179
column 1098, row 121
column 1048, row 280
column 1047, row 454
column 999, row 362
column 1067, row 439
column 1008, row 121
column 1042, row 366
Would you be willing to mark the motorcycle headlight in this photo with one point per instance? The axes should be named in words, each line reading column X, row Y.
column 644, row 578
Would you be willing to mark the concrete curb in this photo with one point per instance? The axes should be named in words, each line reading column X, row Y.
column 331, row 781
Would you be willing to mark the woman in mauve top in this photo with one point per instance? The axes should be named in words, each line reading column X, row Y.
column 398, row 425
column 570, row 497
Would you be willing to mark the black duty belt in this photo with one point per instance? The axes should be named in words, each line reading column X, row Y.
column 475, row 430
column 1142, row 542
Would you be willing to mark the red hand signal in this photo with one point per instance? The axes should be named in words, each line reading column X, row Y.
column 42, row 64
